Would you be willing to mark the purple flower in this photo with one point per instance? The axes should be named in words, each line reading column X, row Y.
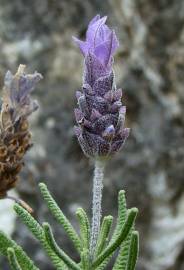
column 100, row 41
column 100, row 115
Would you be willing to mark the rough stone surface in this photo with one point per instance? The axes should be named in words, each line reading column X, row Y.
column 150, row 67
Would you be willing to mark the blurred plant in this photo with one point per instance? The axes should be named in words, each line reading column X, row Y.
column 101, row 134
column 15, row 138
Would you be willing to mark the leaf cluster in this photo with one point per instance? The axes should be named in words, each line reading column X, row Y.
column 124, row 239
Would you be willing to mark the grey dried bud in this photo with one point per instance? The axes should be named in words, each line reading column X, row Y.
column 15, row 138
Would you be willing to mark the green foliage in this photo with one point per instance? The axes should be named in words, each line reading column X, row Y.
column 122, row 258
column 84, row 228
column 23, row 260
column 104, row 233
column 59, row 216
column 133, row 251
column 124, row 239
column 122, row 214
column 59, row 252
column 118, row 240
column 38, row 232
column 14, row 265
column 85, row 259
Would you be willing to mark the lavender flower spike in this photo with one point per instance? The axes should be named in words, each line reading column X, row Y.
column 100, row 115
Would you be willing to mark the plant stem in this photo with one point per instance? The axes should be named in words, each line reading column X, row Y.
column 20, row 202
column 96, row 209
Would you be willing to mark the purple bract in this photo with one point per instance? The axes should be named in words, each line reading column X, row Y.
column 17, row 89
column 100, row 41
column 100, row 115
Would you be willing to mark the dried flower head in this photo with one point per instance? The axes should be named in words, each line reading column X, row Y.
column 100, row 115
column 15, row 138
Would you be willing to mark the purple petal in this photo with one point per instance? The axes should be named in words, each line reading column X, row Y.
column 96, row 18
column 105, row 50
column 83, row 46
column 104, row 32
column 100, row 40
column 92, row 34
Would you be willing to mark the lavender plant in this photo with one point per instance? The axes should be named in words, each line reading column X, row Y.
column 101, row 133
column 101, row 115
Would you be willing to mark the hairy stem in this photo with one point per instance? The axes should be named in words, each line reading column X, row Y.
column 97, row 198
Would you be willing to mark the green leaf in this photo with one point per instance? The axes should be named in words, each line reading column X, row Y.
column 14, row 265
column 121, row 237
column 104, row 233
column 60, row 253
column 85, row 259
column 24, row 261
column 122, row 259
column 38, row 232
column 122, row 213
column 133, row 251
column 31, row 223
column 84, row 227
column 59, row 216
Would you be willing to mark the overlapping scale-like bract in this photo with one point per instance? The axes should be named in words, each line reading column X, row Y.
column 15, row 137
column 100, row 114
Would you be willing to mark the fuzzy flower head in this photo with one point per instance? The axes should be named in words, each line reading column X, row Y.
column 100, row 115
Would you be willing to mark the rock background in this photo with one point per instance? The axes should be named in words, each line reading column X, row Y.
column 149, row 66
